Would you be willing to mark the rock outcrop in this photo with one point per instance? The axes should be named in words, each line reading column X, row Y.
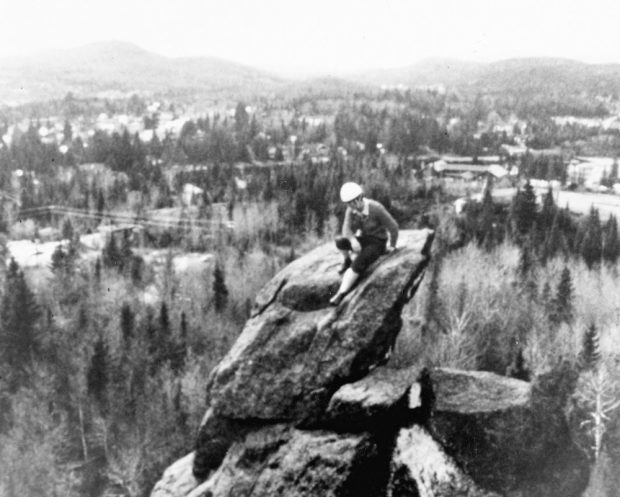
column 420, row 467
column 282, row 461
column 303, row 406
column 296, row 350
column 503, row 436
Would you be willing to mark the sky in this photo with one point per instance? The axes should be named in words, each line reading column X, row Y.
column 322, row 36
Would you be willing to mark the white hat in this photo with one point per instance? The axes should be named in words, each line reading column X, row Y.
column 350, row 191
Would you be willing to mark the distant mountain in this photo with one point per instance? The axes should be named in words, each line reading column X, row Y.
column 119, row 68
column 428, row 72
column 125, row 68
column 562, row 75
column 325, row 87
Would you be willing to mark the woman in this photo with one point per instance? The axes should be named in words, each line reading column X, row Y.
column 366, row 230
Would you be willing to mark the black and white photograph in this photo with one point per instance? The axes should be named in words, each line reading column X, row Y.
column 330, row 248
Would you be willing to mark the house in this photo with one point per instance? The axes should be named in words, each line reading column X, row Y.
column 191, row 194
column 513, row 151
column 457, row 159
column 458, row 169
column 489, row 159
column 590, row 171
column 105, row 123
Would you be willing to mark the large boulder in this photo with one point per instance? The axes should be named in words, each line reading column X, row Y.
column 178, row 479
column 296, row 351
column 502, row 433
column 385, row 398
column 281, row 461
column 215, row 436
column 421, row 468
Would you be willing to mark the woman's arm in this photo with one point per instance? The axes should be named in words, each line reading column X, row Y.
column 347, row 230
column 389, row 223
column 347, row 225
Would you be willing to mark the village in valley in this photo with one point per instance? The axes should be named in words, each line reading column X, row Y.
column 577, row 181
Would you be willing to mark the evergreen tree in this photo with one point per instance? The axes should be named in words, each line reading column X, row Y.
column 568, row 230
column 486, row 232
column 97, row 376
column 553, row 242
column 121, row 154
column 19, row 315
column 126, row 254
column 590, row 355
column 220, row 291
column 164, row 324
column 150, row 331
column 63, row 260
column 183, row 329
column 100, row 203
column 611, row 243
column 537, row 241
column 177, row 359
column 182, row 416
column 67, row 230
column 111, row 255
column 526, row 260
column 524, row 210
column 58, row 259
column 242, row 118
column 563, row 302
column 591, row 244
column 518, row 369
column 98, row 270
column 136, row 269
column 547, row 212
column 161, row 344
column 547, row 299
column 127, row 323
column 230, row 207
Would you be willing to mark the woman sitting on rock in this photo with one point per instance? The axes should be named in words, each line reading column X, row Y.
column 364, row 239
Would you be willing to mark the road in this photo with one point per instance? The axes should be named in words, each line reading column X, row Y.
column 577, row 202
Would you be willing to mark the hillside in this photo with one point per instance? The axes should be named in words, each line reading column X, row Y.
column 125, row 68
column 119, row 68
column 546, row 74
column 428, row 72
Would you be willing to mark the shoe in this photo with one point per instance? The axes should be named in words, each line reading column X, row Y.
column 344, row 266
column 336, row 299
column 388, row 354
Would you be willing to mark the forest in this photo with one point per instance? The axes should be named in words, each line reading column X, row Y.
column 102, row 388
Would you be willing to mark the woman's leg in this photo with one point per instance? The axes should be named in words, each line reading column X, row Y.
column 349, row 278
column 344, row 246
column 369, row 254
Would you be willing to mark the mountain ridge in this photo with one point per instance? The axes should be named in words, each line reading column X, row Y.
column 123, row 67
column 506, row 72
column 126, row 67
